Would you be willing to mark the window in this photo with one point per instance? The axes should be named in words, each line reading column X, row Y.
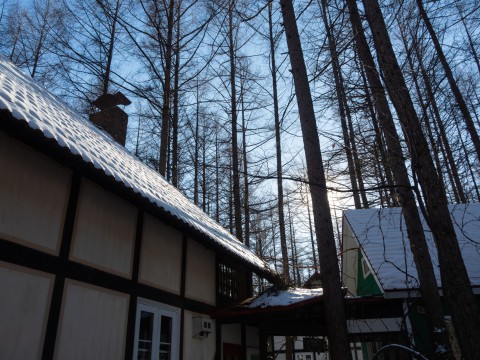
column 365, row 268
column 232, row 284
column 156, row 332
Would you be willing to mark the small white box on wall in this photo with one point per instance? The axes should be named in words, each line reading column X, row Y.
column 202, row 327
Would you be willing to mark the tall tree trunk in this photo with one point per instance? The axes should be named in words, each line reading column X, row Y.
column 312, row 240
column 167, row 89
column 379, row 144
column 217, row 178
column 175, row 115
column 196, row 155
column 111, row 44
column 246, row 187
column 455, row 281
column 289, row 343
column 278, row 151
column 356, row 159
column 423, row 106
column 469, row 37
column 467, row 159
column 428, row 284
column 233, row 101
column 438, row 120
column 333, row 297
column 230, row 200
column 274, row 237
column 451, row 80
column 41, row 39
column 15, row 41
column 291, row 234
column 341, row 108
column 204, row 165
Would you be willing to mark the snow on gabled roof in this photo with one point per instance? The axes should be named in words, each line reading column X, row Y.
column 28, row 101
column 290, row 296
column 383, row 237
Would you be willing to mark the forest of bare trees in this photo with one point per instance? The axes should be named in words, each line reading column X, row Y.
column 273, row 117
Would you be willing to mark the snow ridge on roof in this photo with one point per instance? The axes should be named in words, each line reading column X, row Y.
column 383, row 237
column 27, row 100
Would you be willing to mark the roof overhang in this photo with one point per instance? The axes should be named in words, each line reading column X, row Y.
column 307, row 318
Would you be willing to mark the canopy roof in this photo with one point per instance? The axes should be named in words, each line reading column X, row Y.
column 301, row 312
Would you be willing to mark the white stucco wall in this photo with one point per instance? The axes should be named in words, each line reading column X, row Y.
column 197, row 349
column 161, row 256
column 24, row 302
column 104, row 231
column 200, row 277
column 33, row 196
column 93, row 323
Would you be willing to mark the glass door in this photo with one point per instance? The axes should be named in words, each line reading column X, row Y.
column 165, row 348
column 145, row 335
column 156, row 333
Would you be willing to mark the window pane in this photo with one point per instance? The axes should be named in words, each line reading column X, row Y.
column 165, row 338
column 145, row 336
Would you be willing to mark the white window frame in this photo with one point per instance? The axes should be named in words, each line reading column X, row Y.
column 365, row 268
column 158, row 310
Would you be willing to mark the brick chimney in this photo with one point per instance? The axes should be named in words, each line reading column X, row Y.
column 111, row 118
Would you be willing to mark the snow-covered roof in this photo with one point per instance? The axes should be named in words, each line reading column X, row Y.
column 291, row 296
column 383, row 237
column 29, row 101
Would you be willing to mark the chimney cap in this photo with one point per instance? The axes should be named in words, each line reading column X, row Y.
column 106, row 101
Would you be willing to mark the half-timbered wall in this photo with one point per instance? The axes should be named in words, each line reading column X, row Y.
column 76, row 258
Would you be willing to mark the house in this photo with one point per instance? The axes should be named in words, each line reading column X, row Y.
column 377, row 262
column 101, row 258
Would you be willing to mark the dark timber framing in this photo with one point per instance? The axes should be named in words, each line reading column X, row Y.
column 37, row 260
column 182, row 291
column 132, row 306
column 63, row 268
column 59, row 284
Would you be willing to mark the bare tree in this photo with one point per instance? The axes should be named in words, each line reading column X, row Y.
column 278, row 148
column 455, row 282
column 428, row 285
column 335, row 311
column 451, row 80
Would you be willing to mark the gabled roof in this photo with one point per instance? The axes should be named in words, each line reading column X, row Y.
column 383, row 238
column 31, row 103
column 314, row 281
